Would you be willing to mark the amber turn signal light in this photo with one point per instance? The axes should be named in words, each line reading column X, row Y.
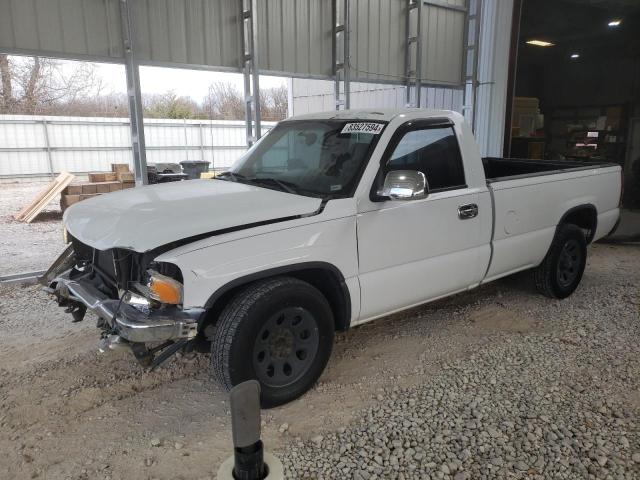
column 164, row 289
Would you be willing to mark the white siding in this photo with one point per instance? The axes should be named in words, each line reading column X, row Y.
column 317, row 96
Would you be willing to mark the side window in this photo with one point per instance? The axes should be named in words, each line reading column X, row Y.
column 434, row 152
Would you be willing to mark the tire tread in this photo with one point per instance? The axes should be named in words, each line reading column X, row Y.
column 544, row 273
column 231, row 318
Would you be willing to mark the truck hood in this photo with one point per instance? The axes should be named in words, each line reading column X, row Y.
column 145, row 218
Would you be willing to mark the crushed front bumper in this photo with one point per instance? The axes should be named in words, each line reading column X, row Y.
column 125, row 320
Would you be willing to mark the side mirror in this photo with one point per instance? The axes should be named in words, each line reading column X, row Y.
column 405, row 185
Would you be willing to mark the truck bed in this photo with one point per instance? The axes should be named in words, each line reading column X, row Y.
column 500, row 169
column 530, row 197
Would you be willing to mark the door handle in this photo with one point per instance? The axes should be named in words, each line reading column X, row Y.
column 469, row 210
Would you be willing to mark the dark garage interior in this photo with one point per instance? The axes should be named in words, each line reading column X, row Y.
column 577, row 85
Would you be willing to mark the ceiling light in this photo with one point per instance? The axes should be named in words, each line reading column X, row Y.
column 575, row 55
column 540, row 43
column 615, row 23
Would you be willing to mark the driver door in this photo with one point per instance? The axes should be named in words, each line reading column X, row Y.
column 413, row 251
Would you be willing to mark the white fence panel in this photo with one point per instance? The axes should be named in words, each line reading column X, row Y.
column 38, row 146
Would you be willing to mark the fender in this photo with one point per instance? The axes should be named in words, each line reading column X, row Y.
column 578, row 208
column 340, row 303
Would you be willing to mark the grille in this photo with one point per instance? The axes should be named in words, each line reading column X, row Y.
column 84, row 253
column 103, row 260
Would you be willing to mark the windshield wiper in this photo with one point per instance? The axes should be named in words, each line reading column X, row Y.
column 284, row 186
column 235, row 177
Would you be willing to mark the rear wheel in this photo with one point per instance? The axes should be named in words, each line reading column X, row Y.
column 560, row 272
column 278, row 331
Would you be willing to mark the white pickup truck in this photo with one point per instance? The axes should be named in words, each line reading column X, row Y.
column 329, row 221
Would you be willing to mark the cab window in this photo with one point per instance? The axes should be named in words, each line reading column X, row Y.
column 434, row 152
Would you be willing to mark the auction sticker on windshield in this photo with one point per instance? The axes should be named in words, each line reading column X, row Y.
column 363, row 127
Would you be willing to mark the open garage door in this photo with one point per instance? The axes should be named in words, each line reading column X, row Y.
column 577, row 92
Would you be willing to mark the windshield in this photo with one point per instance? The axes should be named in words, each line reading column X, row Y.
column 323, row 158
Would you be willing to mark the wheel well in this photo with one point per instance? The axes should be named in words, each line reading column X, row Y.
column 585, row 217
column 327, row 279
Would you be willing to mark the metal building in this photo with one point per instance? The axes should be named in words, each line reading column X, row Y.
column 421, row 47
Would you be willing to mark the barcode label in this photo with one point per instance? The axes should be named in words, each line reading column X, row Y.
column 363, row 127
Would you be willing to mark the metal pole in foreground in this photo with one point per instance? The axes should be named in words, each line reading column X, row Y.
column 245, row 427
column 249, row 461
column 134, row 96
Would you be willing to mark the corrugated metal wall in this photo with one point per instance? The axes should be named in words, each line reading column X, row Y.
column 443, row 42
column 310, row 95
column 79, row 144
column 188, row 32
column 295, row 36
column 378, row 38
column 72, row 28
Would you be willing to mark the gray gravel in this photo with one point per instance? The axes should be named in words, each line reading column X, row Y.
column 561, row 403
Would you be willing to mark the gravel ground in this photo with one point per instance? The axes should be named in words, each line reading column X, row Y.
column 559, row 403
column 496, row 383
column 28, row 247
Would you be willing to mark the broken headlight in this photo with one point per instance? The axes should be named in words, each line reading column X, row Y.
column 164, row 289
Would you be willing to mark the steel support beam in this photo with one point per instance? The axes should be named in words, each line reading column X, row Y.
column 250, row 70
column 413, row 52
column 341, row 54
column 47, row 144
column 133, row 95
column 201, row 138
column 470, row 59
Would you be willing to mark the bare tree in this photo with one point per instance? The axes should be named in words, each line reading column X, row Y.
column 34, row 85
column 223, row 101
column 170, row 105
column 6, row 95
column 274, row 103
column 106, row 105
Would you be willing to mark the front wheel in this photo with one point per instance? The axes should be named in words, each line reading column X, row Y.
column 560, row 272
column 278, row 331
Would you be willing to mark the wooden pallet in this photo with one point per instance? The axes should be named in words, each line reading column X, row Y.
column 46, row 195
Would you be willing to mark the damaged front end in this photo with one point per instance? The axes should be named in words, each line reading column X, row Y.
column 115, row 285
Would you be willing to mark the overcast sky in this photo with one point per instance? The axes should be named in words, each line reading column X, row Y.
column 189, row 83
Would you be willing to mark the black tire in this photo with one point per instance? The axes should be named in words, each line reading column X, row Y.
column 278, row 331
column 560, row 272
